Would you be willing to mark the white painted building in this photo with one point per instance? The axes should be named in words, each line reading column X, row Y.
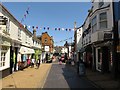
column 79, row 33
column 64, row 50
column 16, row 42
column 97, row 35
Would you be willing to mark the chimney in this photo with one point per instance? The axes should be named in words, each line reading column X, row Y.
column 75, row 25
column 52, row 37
column 34, row 32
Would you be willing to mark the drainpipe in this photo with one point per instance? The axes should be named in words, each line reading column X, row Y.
column 115, row 43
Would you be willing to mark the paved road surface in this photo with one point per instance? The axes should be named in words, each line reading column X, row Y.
column 65, row 76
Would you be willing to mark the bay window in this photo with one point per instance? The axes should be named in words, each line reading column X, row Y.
column 103, row 20
column 94, row 24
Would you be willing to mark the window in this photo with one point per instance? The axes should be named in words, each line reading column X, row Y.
column 6, row 24
column 26, row 38
column 103, row 20
column 19, row 33
column 3, row 56
column 101, row 3
column 94, row 24
column 3, row 20
column 45, row 40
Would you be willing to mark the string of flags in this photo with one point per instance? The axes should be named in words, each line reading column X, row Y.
column 64, row 40
column 25, row 15
column 41, row 28
column 48, row 28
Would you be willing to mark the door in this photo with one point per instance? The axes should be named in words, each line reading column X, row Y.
column 98, row 59
column 11, row 59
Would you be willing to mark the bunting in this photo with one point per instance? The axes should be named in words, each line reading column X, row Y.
column 41, row 28
column 64, row 40
column 25, row 15
column 48, row 28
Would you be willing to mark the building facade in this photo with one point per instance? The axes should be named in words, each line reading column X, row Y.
column 100, row 41
column 16, row 43
column 47, row 45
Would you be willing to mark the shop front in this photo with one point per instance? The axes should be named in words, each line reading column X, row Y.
column 15, row 47
column 26, row 53
column 4, row 56
column 103, row 54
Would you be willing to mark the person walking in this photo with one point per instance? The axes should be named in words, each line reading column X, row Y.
column 37, row 63
column 32, row 62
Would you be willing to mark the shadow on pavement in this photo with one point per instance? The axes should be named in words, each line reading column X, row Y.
column 75, row 81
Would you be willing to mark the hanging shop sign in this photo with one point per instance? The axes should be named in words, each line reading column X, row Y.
column 107, row 36
column 46, row 48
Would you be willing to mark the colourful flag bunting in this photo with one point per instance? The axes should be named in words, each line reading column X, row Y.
column 48, row 28
column 33, row 27
column 63, row 29
column 69, row 29
column 25, row 15
column 28, row 26
column 36, row 27
column 55, row 28
column 59, row 29
column 27, row 12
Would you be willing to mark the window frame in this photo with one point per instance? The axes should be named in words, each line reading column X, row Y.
column 94, row 24
column 103, row 20
column 46, row 40
column 19, row 33
column 3, row 56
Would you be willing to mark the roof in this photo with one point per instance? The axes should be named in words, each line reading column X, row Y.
column 15, row 20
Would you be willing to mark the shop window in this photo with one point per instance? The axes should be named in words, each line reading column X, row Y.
column 3, row 56
column 103, row 20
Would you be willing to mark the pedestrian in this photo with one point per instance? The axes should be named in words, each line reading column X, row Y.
column 32, row 62
column 20, row 66
column 37, row 63
column 28, row 62
column 14, row 61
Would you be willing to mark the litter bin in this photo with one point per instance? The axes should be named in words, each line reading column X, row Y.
column 82, row 70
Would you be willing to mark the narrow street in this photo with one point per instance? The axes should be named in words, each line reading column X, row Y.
column 60, row 45
column 65, row 76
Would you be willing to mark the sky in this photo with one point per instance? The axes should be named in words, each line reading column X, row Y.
column 52, row 15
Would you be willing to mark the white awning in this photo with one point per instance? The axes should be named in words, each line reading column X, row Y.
column 25, row 50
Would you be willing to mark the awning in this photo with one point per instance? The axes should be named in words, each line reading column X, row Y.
column 25, row 50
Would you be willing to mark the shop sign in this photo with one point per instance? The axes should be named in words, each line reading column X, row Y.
column 118, row 48
column 16, row 45
column 107, row 36
column 46, row 48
